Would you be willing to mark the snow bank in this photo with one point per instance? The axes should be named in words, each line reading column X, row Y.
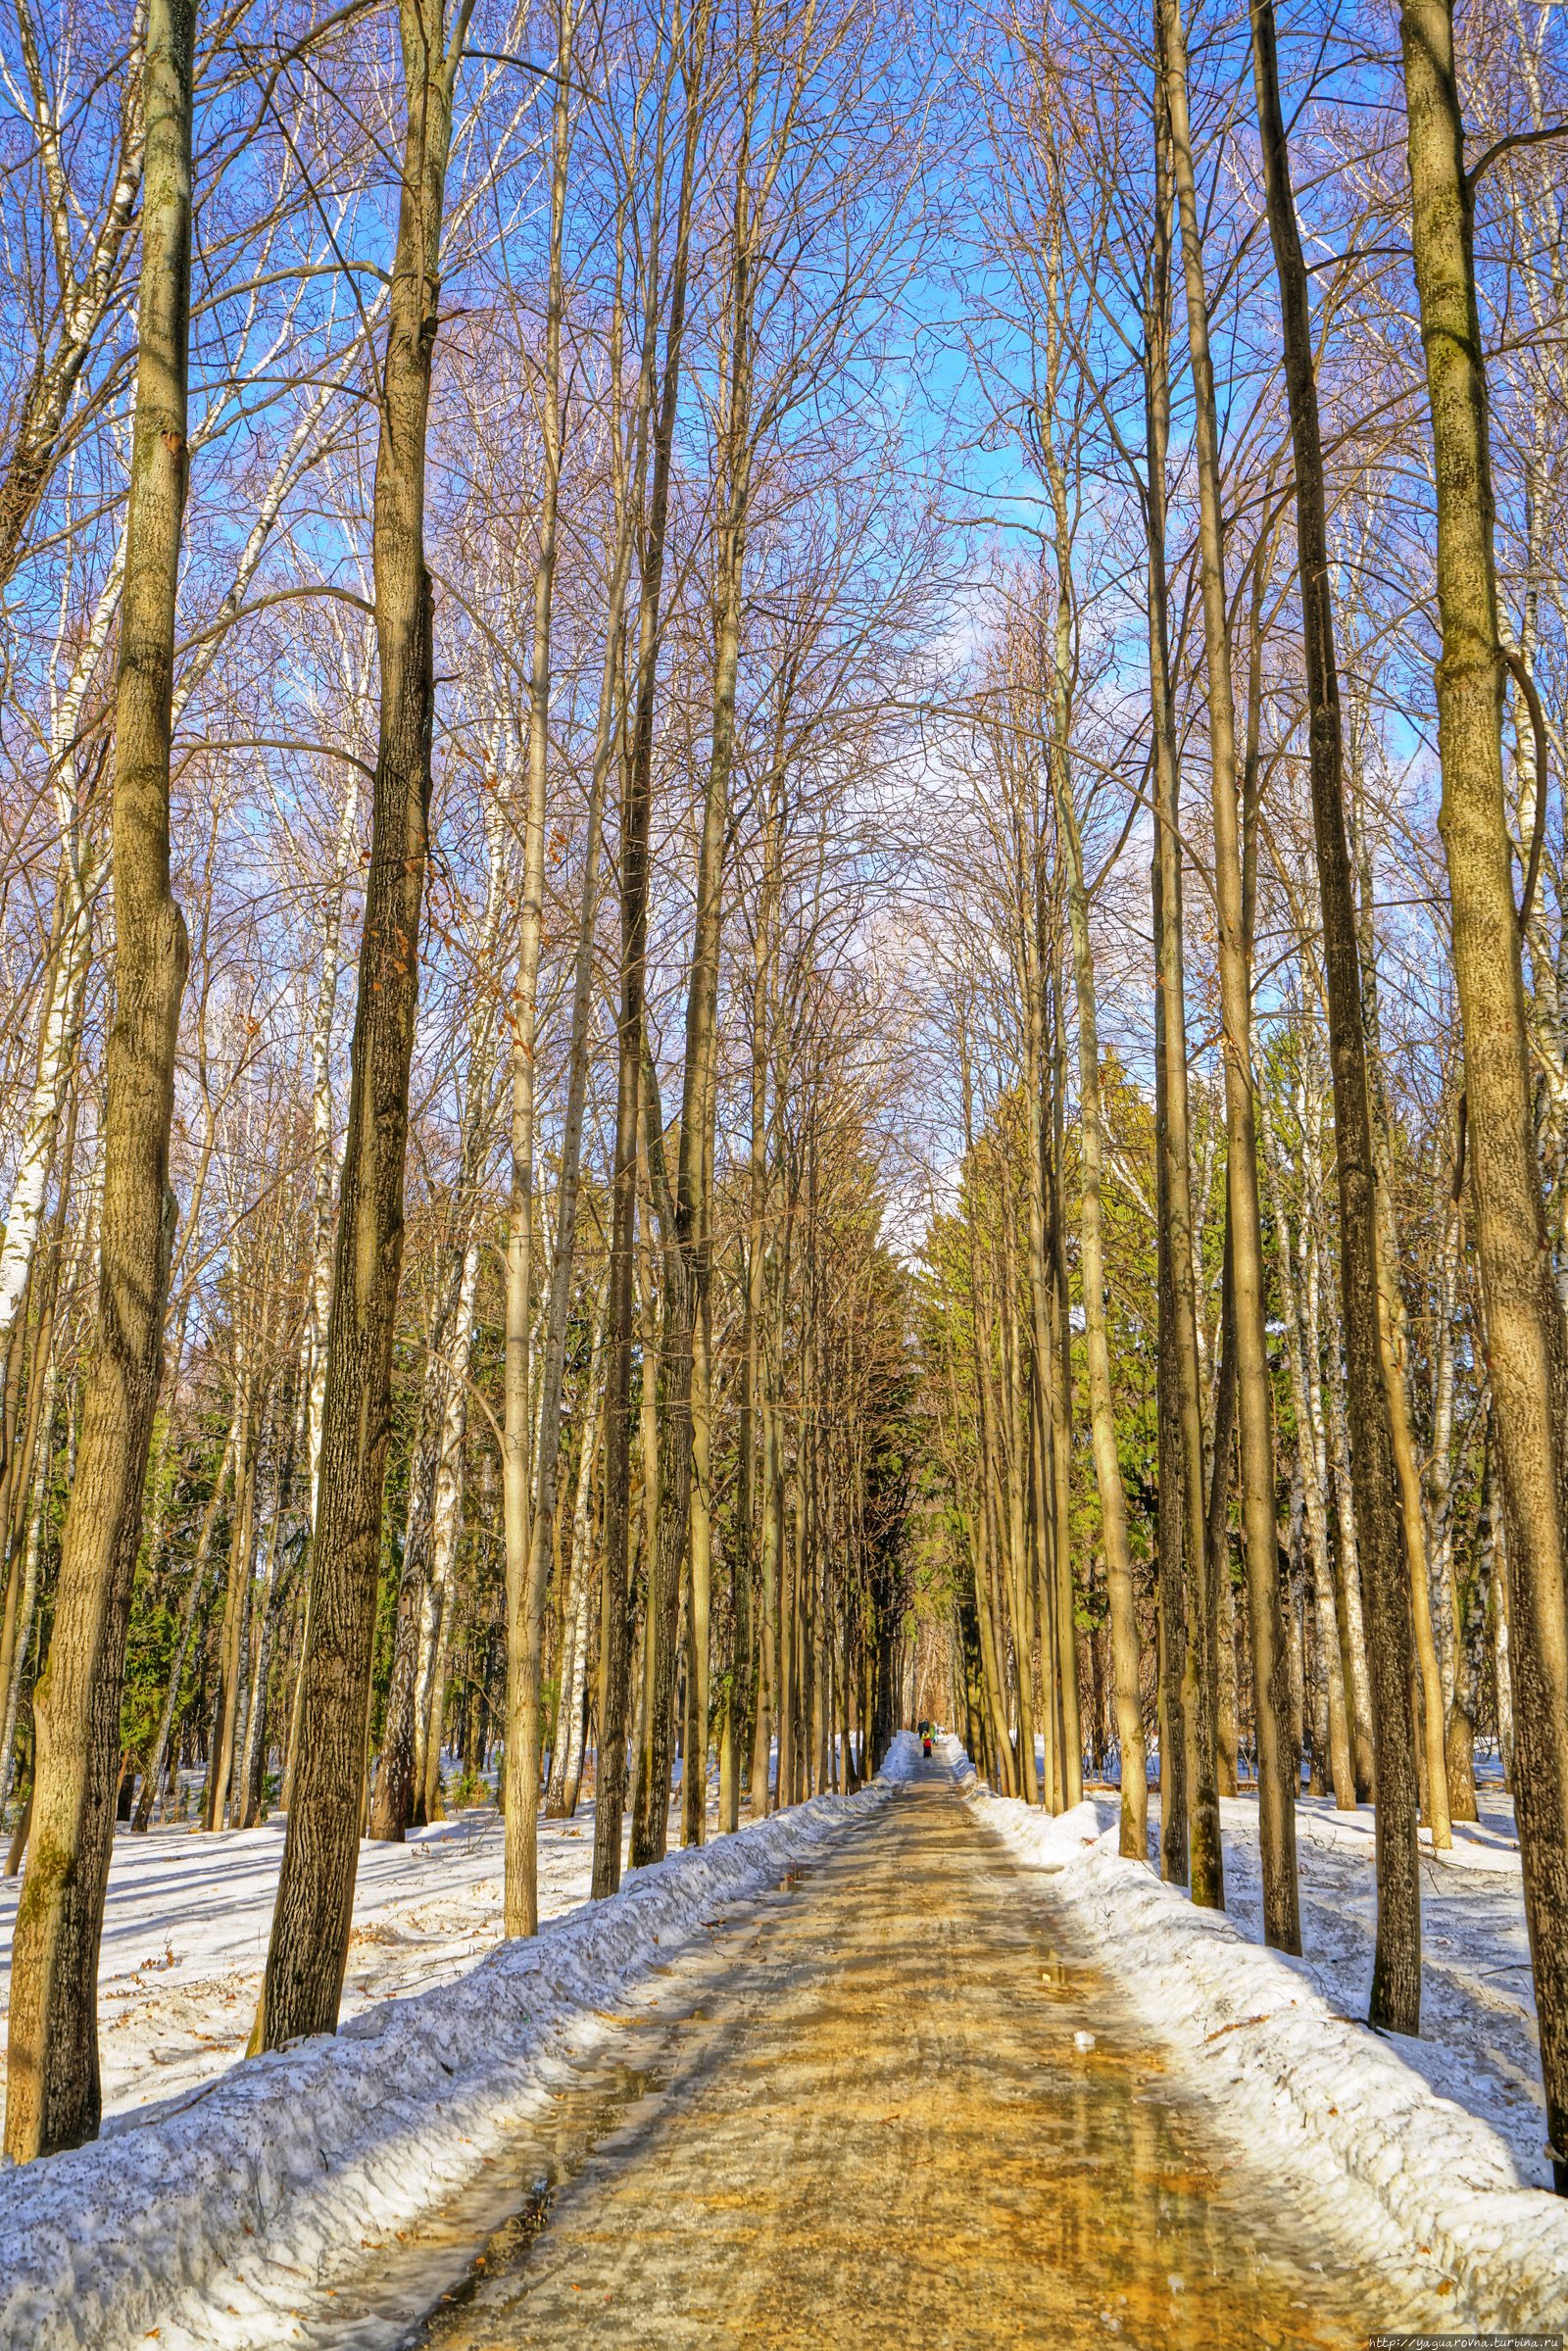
column 224, row 2224
column 1282, row 2069
column 188, row 1916
column 903, row 1759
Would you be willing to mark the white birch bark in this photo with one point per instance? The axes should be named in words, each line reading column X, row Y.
column 323, row 1157
column 82, row 868
column 435, row 1622
column 565, row 1748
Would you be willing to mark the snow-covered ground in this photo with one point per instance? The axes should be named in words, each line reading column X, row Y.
column 1478, row 2044
column 1447, row 2131
column 233, row 2213
column 188, row 1919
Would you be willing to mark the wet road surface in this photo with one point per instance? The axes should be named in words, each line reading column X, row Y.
column 889, row 2111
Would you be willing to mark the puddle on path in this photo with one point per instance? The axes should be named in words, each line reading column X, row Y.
column 889, row 2111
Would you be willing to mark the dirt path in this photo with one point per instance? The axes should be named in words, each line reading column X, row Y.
column 884, row 2121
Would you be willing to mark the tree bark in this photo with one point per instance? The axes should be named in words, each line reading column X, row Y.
column 392, row 1800
column 565, row 1763
column 1527, row 1351
column 11, row 1686
column 1061, row 1416
column 1302, row 1376
column 747, row 1702
column 1134, row 1840
column 636, row 809
column 529, row 1522
column 1275, row 1799
column 53, row 2097
column 236, row 1598
column 435, row 1636
column 1185, row 1552
column 309, row 1947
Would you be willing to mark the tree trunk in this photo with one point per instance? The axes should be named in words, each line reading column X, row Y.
column 1302, row 1375
column 253, row 1763
column 1134, row 1840
column 1276, row 1798
column 747, row 1699
column 11, row 1686
column 1217, row 1536
column 308, row 1945
column 1358, row 1679
column 1181, row 1419
column 446, row 1529
column 236, row 1599
column 685, row 1527
column 636, row 807
column 54, row 2098
column 1061, row 1419
column 1526, row 1347
column 565, row 1762
column 529, row 1518
column 142, row 1816
column 392, row 1801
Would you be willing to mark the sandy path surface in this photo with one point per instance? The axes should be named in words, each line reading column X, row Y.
column 886, row 2107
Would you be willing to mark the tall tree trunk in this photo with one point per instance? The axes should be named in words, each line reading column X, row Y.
column 446, row 1536
column 53, row 2098
column 1437, row 1491
column 1181, row 1406
column 323, row 1170
column 985, row 1546
column 1217, row 1536
column 1302, row 1377
column 309, row 1947
column 529, row 1524
column 1276, row 1798
column 747, row 1699
column 1348, row 1563
column 65, row 991
column 1061, row 1416
column 253, row 1762
column 42, row 1379
column 770, row 1714
column 75, row 763
column 12, row 1685
column 685, row 1498
column 1134, row 1840
column 237, row 1602
column 565, row 1765
column 1393, row 1327
column 1496, row 1544
column 636, row 807
column 392, row 1800
column 323, row 1157
column 1526, row 1346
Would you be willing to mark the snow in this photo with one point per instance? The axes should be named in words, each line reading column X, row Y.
column 1445, row 2134
column 189, row 1915
column 218, row 2220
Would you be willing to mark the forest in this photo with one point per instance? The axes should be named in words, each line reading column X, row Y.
column 783, row 943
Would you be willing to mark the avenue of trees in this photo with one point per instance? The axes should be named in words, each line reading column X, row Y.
column 782, row 933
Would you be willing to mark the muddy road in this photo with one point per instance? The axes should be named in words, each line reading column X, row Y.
column 885, row 2107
